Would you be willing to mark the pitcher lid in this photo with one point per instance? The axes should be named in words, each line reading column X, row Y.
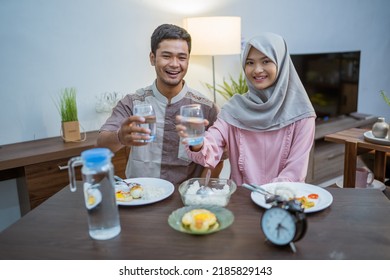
column 96, row 156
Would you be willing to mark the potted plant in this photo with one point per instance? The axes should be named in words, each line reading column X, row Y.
column 67, row 108
column 228, row 89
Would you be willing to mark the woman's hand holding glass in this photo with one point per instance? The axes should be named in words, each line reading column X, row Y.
column 191, row 126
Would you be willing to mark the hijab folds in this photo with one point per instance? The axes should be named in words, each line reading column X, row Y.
column 277, row 106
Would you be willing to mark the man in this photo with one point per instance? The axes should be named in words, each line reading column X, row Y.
column 165, row 157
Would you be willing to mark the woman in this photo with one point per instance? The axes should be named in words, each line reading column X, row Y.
column 269, row 131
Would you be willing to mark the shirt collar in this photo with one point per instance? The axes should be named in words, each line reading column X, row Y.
column 175, row 99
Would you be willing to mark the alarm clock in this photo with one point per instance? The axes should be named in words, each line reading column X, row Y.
column 284, row 223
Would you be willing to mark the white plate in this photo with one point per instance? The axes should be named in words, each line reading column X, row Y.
column 369, row 137
column 376, row 185
column 155, row 189
column 324, row 200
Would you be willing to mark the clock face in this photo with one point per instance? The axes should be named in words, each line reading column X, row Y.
column 278, row 226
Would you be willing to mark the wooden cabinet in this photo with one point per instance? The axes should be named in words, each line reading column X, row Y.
column 327, row 162
column 41, row 166
column 120, row 161
column 326, row 158
column 47, row 178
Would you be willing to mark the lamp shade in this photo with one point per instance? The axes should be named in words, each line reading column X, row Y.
column 214, row 35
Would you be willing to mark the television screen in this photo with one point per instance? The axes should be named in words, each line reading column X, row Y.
column 331, row 81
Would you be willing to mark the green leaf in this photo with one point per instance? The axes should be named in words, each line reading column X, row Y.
column 67, row 105
column 387, row 100
column 231, row 87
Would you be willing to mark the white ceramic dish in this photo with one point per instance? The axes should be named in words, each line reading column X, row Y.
column 324, row 200
column 376, row 185
column 155, row 190
column 369, row 137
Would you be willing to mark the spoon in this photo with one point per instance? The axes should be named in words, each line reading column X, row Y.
column 119, row 180
column 268, row 196
column 205, row 190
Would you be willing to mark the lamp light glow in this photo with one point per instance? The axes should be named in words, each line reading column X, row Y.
column 214, row 36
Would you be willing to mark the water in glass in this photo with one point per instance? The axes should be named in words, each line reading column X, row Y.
column 99, row 192
column 147, row 111
column 193, row 120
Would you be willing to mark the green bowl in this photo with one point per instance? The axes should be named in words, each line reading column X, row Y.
column 224, row 216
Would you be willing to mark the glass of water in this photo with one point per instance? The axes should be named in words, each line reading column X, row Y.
column 193, row 120
column 147, row 111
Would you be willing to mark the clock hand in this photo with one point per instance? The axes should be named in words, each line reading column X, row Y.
column 278, row 231
column 279, row 228
column 282, row 226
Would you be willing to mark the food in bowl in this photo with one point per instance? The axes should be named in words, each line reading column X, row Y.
column 200, row 220
column 222, row 189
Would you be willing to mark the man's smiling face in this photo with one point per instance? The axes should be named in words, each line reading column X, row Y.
column 171, row 62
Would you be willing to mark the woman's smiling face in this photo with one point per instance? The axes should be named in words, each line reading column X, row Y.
column 260, row 70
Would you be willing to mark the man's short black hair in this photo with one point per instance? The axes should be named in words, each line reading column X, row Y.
column 169, row 31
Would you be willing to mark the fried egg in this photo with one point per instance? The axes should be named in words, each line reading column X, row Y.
column 122, row 195
column 128, row 192
column 200, row 220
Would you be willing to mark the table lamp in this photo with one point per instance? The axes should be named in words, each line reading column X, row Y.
column 214, row 36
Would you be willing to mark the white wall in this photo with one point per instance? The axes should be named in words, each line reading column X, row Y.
column 102, row 46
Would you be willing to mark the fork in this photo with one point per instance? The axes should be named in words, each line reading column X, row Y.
column 268, row 196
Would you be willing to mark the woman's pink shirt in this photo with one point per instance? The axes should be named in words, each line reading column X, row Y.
column 259, row 157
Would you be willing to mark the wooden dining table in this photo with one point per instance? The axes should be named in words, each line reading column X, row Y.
column 355, row 145
column 355, row 226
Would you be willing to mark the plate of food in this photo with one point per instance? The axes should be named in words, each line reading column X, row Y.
column 313, row 198
column 200, row 220
column 141, row 191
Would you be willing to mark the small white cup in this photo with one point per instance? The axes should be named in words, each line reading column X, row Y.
column 364, row 177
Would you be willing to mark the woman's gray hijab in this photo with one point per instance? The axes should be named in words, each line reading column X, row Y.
column 285, row 102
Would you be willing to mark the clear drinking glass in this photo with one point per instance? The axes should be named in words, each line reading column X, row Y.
column 147, row 111
column 193, row 120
